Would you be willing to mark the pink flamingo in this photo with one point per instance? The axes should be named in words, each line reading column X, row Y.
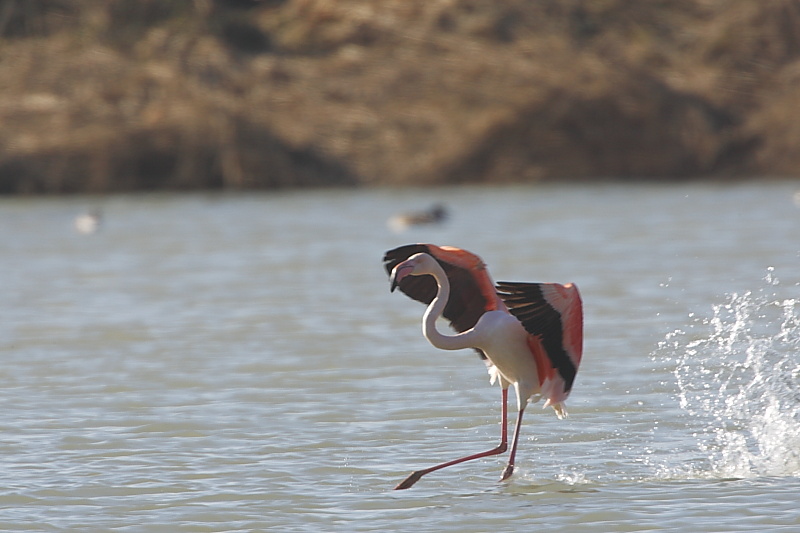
column 530, row 334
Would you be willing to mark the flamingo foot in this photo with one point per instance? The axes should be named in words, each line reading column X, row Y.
column 507, row 472
column 410, row 480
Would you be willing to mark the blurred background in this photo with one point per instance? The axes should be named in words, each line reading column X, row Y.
column 239, row 94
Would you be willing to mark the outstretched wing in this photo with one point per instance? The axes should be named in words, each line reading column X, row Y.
column 553, row 315
column 471, row 289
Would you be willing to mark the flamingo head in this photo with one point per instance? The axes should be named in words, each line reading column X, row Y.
column 417, row 265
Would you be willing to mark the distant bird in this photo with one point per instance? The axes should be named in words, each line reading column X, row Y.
column 435, row 215
column 88, row 223
column 530, row 334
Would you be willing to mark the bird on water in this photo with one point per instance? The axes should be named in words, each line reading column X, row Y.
column 436, row 214
column 529, row 334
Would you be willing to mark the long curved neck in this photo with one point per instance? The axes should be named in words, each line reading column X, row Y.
column 435, row 310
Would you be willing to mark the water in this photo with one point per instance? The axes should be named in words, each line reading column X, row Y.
column 737, row 374
column 237, row 363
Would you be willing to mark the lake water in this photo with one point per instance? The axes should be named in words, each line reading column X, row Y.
column 237, row 363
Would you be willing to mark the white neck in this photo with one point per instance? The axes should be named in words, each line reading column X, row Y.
column 435, row 310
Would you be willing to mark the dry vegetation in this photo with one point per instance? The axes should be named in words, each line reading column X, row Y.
column 121, row 95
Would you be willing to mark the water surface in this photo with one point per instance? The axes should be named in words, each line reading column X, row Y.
column 237, row 363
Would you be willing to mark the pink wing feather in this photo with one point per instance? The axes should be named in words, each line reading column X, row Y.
column 553, row 316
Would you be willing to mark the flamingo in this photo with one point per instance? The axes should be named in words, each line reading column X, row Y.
column 530, row 335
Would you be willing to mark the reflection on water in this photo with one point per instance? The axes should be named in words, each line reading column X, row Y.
column 237, row 363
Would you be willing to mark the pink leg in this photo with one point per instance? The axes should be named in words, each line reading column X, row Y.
column 501, row 448
column 512, row 456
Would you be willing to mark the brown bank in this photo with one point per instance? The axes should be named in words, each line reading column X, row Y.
column 197, row 94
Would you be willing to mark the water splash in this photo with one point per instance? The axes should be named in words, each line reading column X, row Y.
column 738, row 378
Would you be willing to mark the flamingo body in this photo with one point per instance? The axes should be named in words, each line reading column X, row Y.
column 530, row 334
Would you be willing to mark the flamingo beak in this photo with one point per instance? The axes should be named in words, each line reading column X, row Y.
column 398, row 273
